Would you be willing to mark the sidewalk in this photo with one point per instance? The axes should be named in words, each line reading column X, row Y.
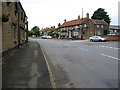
column 26, row 68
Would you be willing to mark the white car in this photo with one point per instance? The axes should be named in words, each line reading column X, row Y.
column 97, row 38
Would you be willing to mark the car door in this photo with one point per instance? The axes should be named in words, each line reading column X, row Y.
column 96, row 38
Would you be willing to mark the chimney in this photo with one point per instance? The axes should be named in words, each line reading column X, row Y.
column 65, row 20
column 87, row 15
column 79, row 17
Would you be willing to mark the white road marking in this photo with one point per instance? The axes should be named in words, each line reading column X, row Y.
column 83, row 49
column 110, row 56
column 109, row 47
column 52, row 79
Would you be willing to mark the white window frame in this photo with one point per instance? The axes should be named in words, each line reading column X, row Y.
column 98, row 26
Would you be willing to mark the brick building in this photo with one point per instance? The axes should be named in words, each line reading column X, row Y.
column 14, row 26
column 83, row 28
column 52, row 31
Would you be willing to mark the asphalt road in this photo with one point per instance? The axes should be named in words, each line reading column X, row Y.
column 82, row 64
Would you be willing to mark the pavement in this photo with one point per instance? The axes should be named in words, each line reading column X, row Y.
column 26, row 68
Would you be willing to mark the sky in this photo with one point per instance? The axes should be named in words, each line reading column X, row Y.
column 47, row 13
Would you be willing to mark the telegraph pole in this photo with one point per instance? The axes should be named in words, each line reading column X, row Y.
column 82, row 26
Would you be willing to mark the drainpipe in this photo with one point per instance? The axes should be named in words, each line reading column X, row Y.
column 18, row 27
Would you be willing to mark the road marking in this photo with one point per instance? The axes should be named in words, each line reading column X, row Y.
column 109, row 47
column 83, row 49
column 52, row 79
column 110, row 56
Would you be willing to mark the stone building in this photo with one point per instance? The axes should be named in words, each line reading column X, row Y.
column 14, row 26
column 83, row 28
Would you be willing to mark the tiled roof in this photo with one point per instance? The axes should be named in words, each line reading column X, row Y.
column 79, row 21
column 73, row 22
column 96, row 21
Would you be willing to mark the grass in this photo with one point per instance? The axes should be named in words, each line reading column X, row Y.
column 34, row 37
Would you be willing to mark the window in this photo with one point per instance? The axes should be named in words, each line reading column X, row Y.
column 15, row 34
column 101, row 26
column 25, row 19
column 85, row 25
column 24, row 35
column 98, row 32
column 98, row 26
column 76, row 27
column 21, row 15
column 80, row 25
column 8, row 2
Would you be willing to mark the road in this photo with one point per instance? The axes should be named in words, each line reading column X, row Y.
column 82, row 64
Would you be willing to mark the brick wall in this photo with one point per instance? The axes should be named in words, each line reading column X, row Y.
column 112, row 37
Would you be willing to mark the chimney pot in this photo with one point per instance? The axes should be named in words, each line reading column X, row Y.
column 79, row 17
column 87, row 15
column 65, row 20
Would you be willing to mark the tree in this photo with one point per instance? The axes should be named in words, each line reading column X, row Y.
column 59, row 25
column 101, row 14
column 35, row 28
column 29, row 33
column 35, row 31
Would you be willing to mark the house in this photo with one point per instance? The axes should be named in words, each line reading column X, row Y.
column 82, row 28
column 114, row 30
column 14, row 26
column 52, row 31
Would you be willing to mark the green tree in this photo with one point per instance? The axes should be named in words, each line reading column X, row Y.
column 30, row 33
column 101, row 14
column 59, row 25
column 35, row 31
column 35, row 28
column 50, row 33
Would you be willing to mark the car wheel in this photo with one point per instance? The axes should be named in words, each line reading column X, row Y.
column 91, row 40
column 100, row 40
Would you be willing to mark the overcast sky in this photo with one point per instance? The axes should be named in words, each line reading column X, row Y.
column 47, row 13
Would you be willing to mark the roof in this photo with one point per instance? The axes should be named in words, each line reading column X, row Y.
column 96, row 21
column 114, row 27
column 73, row 22
column 80, row 21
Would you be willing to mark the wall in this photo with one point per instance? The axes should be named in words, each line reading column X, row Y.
column 112, row 37
column 8, row 41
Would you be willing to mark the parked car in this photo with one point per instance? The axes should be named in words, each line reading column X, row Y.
column 97, row 38
column 46, row 37
column 49, row 37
